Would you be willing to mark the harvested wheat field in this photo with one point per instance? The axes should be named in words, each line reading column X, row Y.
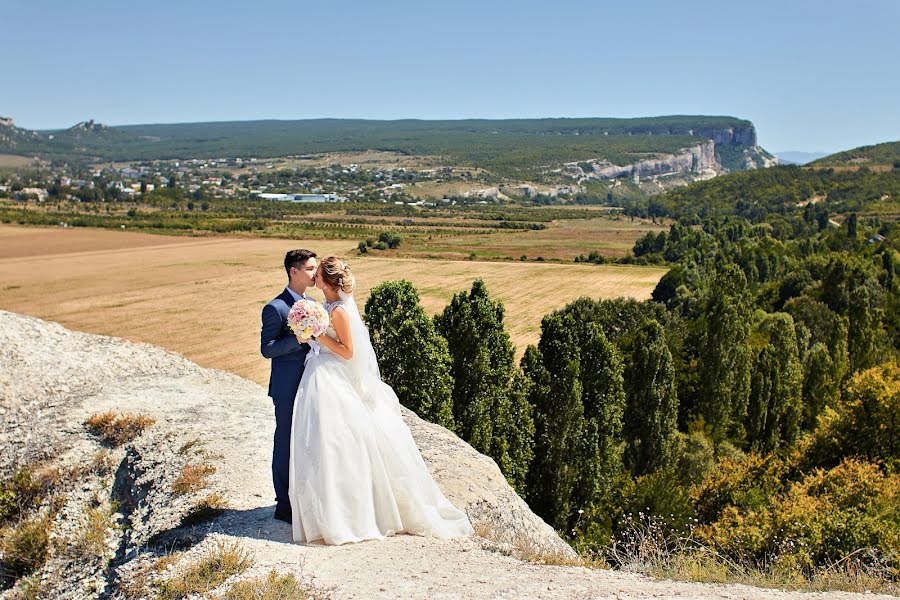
column 201, row 297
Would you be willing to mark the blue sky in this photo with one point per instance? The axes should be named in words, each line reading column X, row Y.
column 812, row 75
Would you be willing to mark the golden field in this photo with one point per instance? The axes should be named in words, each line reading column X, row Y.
column 12, row 161
column 202, row 296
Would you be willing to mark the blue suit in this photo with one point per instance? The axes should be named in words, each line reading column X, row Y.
column 278, row 343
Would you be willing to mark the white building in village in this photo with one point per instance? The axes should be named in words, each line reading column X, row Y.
column 303, row 197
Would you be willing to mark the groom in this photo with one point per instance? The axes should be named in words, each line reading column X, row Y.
column 288, row 354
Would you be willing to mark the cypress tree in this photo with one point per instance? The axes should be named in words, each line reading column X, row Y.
column 412, row 357
column 651, row 410
column 852, row 226
column 490, row 404
column 783, row 339
column 890, row 268
column 762, row 382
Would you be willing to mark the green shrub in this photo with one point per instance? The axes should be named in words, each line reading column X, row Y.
column 745, row 485
column 865, row 423
column 817, row 521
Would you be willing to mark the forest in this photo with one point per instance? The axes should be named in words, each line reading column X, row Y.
column 746, row 418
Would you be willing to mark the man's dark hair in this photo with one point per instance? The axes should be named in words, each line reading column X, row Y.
column 295, row 258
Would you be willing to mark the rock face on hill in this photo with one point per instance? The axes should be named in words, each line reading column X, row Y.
column 120, row 510
column 698, row 160
column 726, row 149
column 16, row 140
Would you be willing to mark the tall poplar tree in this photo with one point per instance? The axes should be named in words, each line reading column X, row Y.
column 490, row 404
column 412, row 357
column 651, row 412
column 863, row 330
column 603, row 401
column 775, row 410
column 725, row 354
column 555, row 374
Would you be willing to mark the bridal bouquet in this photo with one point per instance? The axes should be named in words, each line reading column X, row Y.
column 308, row 318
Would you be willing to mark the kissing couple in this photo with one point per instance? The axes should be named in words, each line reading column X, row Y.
column 344, row 464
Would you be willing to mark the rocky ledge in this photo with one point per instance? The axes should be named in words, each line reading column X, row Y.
column 189, row 485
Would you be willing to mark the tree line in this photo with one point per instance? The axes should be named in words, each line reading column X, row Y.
column 747, row 397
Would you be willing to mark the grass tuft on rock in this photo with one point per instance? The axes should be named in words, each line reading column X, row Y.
column 116, row 430
column 25, row 490
column 92, row 540
column 275, row 587
column 222, row 561
column 24, row 547
column 193, row 478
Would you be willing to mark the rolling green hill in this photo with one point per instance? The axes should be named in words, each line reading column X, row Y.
column 512, row 147
column 887, row 153
column 784, row 190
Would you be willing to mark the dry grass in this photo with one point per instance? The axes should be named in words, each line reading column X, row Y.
column 104, row 462
column 277, row 587
column 191, row 444
column 25, row 490
column 612, row 236
column 24, row 547
column 92, row 540
column 116, row 430
column 707, row 566
column 206, row 573
column 29, row 588
column 99, row 290
column 193, row 478
column 525, row 548
column 648, row 546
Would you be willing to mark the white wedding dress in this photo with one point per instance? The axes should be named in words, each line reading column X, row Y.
column 356, row 472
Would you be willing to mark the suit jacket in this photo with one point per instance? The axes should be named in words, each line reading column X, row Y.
column 278, row 342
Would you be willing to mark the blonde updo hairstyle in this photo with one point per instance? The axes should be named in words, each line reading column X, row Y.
column 337, row 274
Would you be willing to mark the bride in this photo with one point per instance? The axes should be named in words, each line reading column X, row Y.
column 355, row 472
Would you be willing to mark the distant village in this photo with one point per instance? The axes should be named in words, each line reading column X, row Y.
column 239, row 178
column 299, row 179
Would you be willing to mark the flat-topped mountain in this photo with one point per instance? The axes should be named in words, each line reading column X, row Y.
column 513, row 147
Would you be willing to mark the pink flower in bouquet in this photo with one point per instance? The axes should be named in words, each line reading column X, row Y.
column 308, row 318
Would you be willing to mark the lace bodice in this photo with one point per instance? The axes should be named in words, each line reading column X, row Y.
column 330, row 306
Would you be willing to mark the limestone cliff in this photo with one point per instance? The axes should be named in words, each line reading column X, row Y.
column 725, row 149
column 697, row 159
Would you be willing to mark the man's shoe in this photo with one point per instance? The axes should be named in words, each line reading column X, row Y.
column 283, row 515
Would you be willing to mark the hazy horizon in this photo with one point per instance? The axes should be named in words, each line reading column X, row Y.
column 811, row 76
